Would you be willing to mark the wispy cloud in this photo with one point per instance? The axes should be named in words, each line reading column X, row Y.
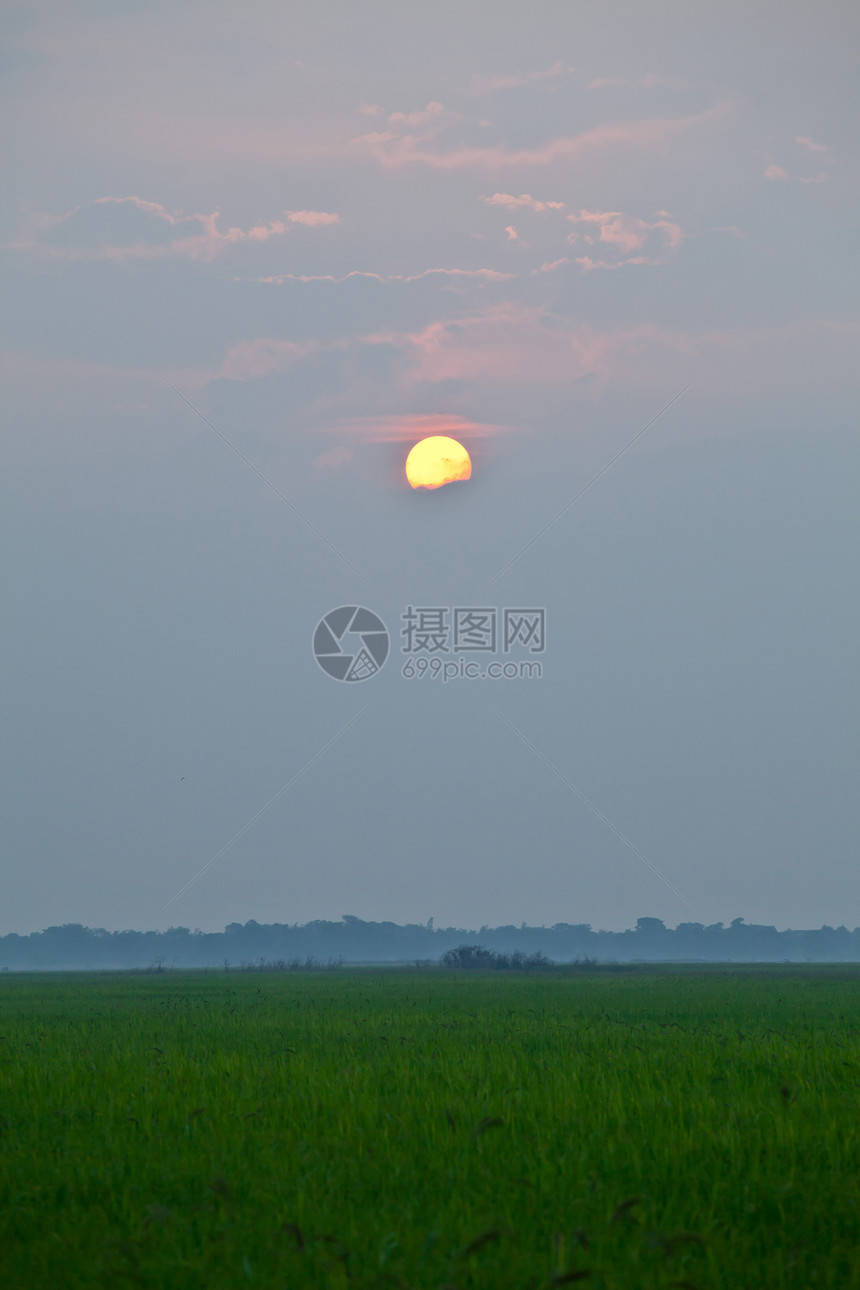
column 136, row 229
column 518, row 80
column 550, row 266
column 313, row 219
column 408, row 427
column 649, row 82
column 809, row 145
column 654, row 133
column 486, row 275
column 524, row 201
column 431, row 112
column 820, row 152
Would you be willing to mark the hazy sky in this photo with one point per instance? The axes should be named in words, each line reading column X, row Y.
column 337, row 228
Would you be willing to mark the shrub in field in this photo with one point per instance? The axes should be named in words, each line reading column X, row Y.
column 476, row 956
column 468, row 956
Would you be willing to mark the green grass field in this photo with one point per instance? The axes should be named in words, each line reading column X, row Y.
column 638, row 1128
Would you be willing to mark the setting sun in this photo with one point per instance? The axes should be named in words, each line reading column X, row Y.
column 436, row 461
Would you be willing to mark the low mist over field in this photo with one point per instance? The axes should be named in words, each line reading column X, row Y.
column 351, row 940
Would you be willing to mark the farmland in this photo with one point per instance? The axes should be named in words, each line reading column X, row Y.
column 619, row 1128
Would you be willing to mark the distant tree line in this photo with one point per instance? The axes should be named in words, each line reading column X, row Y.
column 352, row 940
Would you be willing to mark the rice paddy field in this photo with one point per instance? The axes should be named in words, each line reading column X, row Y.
column 619, row 1128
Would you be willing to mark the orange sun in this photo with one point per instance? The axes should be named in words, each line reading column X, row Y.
column 437, row 461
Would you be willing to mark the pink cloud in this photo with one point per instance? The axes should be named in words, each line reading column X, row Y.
column 151, row 208
column 368, row 109
column 551, row 265
column 512, row 233
column 624, row 234
column 655, row 133
column 524, row 347
column 511, row 203
column 586, row 263
column 486, row 275
column 510, row 347
column 313, row 219
column 409, row 427
column 521, row 348
column 820, row 151
column 809, row 145
column 276, row 279
column 430, row 113
column 507, row 345
column 489, row 275
column 498, row 355
column 198, row 236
